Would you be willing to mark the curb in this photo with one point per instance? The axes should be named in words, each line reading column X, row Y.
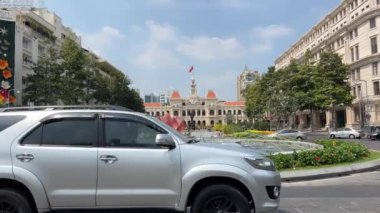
column 330, row 172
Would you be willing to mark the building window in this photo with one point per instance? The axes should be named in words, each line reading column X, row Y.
column 377, row 2
column 27, row 44
column 354, row 33
column 358, row 74
column 374, row 45
column 376, row 89
column 357, row 52
column 354, row 92
column 360, row 91
column 183, row 113
column 352, row 54
column 41, row 50
column 372, row 23
column 26, row 59
column 375, row 67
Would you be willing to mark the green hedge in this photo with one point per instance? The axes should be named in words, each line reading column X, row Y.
column 333, row 152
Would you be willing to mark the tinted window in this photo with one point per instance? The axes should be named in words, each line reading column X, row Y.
column 73, row 132
column 7, row 121
column 129, row 133
column 34, row 137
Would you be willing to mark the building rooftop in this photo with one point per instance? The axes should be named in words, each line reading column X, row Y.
column 152, row 104
column 211, row 94
column 175, row 95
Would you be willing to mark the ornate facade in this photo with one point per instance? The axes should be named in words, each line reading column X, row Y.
column 352, row 30
column 207, row 111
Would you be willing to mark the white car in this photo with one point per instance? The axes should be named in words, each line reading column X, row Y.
column 289, row 133
column 346, row 133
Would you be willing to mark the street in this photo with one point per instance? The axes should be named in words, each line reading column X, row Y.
column 312, row 136
column 359, row 193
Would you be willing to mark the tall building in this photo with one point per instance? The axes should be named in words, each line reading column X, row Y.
column 151, row 98
column 352, row 30
column 25, row 36
column 246, row 78
column 206, row 111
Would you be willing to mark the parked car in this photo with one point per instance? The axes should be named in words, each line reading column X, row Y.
column 54, row 158
column 375, row 136
column 346, row 133
column 290, row 133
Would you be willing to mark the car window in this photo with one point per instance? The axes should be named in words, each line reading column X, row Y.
column 284, row 131
column 34, row 137
column 8, row 121
column 292, row 131
column 70, row 132
column 348, row 129
column 130, row 133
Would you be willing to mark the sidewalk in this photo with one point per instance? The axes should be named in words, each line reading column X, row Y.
column 312, row 174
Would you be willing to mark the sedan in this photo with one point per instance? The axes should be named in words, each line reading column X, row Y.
column 375, row 136
column 289, row 133
column 346, row 133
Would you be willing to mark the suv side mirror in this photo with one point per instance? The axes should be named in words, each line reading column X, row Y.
column 165, row 140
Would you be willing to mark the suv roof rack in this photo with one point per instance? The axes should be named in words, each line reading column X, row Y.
column 64, row 107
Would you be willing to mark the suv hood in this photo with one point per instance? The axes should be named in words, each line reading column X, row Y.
column 229, row 148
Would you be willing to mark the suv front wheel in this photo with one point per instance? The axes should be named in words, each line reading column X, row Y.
column 220, row 199
column 13, row 202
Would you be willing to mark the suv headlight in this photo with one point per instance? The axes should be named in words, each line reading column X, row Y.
column 261, row 163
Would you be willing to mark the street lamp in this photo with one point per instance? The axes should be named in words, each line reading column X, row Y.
column 360, row 105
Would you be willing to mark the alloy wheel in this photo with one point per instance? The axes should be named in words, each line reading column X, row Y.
column 220, row 204
column 7, row 207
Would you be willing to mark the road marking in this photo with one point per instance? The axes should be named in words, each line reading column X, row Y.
column 299, row 210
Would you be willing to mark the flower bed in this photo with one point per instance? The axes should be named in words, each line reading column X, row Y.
column 333, row 152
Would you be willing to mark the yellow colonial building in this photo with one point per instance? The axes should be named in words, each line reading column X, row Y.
column 207, row 111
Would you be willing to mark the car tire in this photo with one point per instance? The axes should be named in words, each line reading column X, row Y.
column 332, row 136
column 15, row 201
column 216, row 197
column 351, row 136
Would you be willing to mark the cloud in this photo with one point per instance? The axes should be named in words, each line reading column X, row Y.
column 266, row 36
column 161, row 32
column 211, row 48
column 99, row 41
column 165, row 46
column 156, row 58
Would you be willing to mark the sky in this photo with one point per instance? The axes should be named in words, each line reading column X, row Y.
column 155, row 42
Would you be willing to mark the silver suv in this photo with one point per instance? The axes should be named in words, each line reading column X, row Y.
column 55, row 158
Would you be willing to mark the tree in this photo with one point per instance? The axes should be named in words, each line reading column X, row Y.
column 77, row 73
column 122, row 95
column 44, row 86
column 332, row 87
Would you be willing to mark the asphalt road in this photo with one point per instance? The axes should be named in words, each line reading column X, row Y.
column 359, row 193
column 375, row 145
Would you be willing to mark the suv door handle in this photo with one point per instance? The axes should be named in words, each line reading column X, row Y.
column 25, row 158
column 108, row 159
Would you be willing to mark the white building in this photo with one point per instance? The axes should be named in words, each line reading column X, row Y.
column 35, row 30
column 246, row 78
column 352, row 30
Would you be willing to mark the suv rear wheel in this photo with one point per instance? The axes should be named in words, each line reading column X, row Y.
column 220, row 199
column 13, row 202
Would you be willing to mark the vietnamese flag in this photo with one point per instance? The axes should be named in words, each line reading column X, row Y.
column 191, row 69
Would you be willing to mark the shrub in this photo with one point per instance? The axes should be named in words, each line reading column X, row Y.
column 333, row 152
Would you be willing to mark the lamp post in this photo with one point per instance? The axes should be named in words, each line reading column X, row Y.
column 361, row 105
